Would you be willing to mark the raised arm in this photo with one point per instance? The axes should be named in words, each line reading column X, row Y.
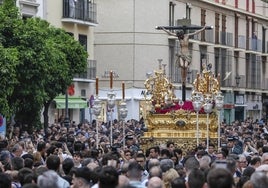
column 196, row 32
column 168, row 32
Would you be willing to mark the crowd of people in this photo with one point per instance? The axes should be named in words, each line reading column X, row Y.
column 72, row 156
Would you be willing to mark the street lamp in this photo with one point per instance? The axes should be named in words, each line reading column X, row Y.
column 206, row 92
column 111, row 104
column 219, row 100
column 208, row 109
column 96, row 111
column 197, row 99
column 123, row 112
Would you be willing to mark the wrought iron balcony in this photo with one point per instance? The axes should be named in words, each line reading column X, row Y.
column 82, row 10
column 90, row 72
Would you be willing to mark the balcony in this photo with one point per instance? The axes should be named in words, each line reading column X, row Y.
column 80, row 12
column 242, row 42
column 255, row 45
column 226, row 38
column 90, row 73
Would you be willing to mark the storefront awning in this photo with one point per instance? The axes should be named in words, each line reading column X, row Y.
column 73, row 102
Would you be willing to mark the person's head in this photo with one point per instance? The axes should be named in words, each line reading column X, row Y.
column 123, row 181
column 196, row 178
column 141, row 159
column 108, row 177
column 153, row 162
column 264, row 158
column 178, row 182
column 5, row 180
column 255, row 161
column 231, row 142
column 67, row 165
column 190, row 164
column 155, row 182
column 180, row 35
column 28, row 163
column 211, row 148
column 129, row 140
column 25, row 175
column 221, row 155
column 41, row 147
column 5, row 156
column 205, row 162
column 154, row 152
column 81, row 177
column 134, row 171
column 155, row 171
column 220, row 178
column 231, row 164
column 242, row 161
column 17, row 150
column 169, row 176
column 17, row 163
column 77, row 156
column 53, row 162
column 259, row 179
column 165, row 154
column 248, row 171
column 170, row 146
column 48, row 179
column 127, row 154
column 166, row 164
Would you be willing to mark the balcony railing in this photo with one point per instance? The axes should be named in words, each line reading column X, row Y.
column 255, row 45
column 226, row 38
column 82, row 10
column 90, row 73
column 242, row 41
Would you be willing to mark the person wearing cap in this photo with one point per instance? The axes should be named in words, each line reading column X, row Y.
column 130, row 143
column 235, row 145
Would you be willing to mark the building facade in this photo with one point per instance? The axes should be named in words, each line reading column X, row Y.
column 78, row 18
column 127, row 43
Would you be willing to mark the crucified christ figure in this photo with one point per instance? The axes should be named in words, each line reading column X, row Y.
column 184, row 56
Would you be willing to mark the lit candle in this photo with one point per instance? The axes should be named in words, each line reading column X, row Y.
column 111, row 79
column 97, row 86
column 123, row 90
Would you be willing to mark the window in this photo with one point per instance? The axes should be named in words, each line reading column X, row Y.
column 83, row 92
column 83, row 40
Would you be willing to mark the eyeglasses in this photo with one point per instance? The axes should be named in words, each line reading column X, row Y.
column 242, row 161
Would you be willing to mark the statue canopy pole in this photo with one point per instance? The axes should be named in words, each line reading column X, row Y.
column 184, row 57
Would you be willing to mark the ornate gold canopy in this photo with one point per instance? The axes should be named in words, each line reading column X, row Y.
column 167, row 118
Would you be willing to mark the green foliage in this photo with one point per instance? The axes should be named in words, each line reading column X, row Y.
column 41, row 62
column 8, row 63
